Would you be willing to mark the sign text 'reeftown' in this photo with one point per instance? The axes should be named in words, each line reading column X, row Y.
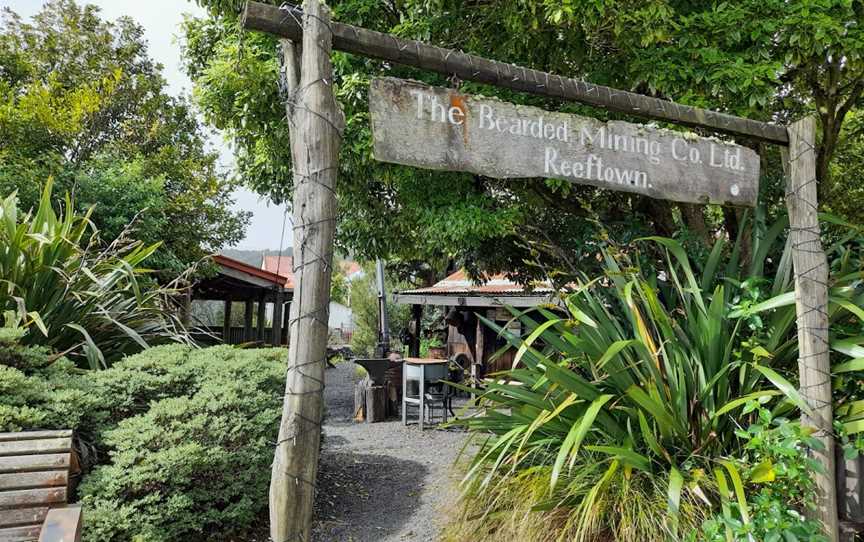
column 417, row 125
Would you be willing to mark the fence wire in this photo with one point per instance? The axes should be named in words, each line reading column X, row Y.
column 307, row 229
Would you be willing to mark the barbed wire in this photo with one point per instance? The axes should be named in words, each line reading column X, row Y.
column 308, row 258
column 813, row 363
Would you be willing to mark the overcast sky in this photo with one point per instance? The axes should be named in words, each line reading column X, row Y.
column 161, row 20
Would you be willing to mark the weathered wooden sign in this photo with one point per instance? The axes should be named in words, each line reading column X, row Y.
column 438, row 128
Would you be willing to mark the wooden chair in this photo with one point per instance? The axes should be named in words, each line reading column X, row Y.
column 35, row 469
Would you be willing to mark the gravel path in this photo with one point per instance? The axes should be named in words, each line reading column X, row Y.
column 381, row 482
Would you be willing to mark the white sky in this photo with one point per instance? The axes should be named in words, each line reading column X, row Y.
column 161, row 20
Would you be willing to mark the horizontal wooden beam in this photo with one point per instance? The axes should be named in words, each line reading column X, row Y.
column 469, row 300
column 285, row 22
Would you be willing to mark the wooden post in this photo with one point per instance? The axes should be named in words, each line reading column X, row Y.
column 479, row 351
column 417, row 317
column 286, row 321
column 276, row 339
column 262, row 317
column 247, row 319
column 811, row 303
column 376, row 404
column 316, row 124
column 226, row 323
column 449, row 62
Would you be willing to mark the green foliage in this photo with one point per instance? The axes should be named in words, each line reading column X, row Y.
column 75, row 292
column 340, row 289
column 195, row 463
column 364, row 307
column 81, row 100
column 650, row 375
column 180, row 438
column 639, row 376
column 769, row 60
column 781, row 489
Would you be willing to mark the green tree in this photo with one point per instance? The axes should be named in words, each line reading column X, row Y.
column 364, row 306
column 81, row 101
column 769, row 60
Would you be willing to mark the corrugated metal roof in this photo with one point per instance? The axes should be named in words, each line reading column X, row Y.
column 237, row 265
column 282, row 266
column 496, row 285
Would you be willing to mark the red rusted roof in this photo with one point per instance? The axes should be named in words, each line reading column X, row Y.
column 350, row 268
column 459, row 283
column 231, row 263
column 282, row 266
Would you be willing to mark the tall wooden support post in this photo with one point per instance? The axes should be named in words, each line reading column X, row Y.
column 276, row 339
column 811, row 303
column 316, row 125
column 226, row 323
column 416, row 319
column 479, row 352
column 286, row 321
column 262, row 318
column 248, row 311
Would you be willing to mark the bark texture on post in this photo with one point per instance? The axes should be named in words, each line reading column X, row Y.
column 315, row 128
column 811, row 303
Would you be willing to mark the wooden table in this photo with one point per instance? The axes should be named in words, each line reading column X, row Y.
column 422, row 364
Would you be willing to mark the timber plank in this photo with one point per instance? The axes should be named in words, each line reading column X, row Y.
column 31, row 435
column 63, row 524
column 285, row 22
column 36, row 446
column 439, row 128
column 32, row 497
column 27, row 533
column 25, row 480
column 21, row 463
column 23, row 516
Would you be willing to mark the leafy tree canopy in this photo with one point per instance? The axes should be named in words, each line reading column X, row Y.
column 766, row 59
column 81, row 101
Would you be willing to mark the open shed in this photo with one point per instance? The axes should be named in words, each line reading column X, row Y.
column 256, row 288
column 463, row 301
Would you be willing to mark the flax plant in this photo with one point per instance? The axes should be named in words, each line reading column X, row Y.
column 76, row 294
column 627, row 401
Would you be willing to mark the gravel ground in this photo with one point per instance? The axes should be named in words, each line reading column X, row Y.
column 381, row 482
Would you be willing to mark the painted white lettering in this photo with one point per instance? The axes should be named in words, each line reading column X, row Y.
column 679, row 144
column 551, row 157
column 714, row 161
column 456, row 116
column 419, row 103
column 437, row 111
column 486, row 116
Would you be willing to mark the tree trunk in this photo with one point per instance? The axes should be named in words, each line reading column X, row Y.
column 694, row 217
column 811, row 303
column 315, row 128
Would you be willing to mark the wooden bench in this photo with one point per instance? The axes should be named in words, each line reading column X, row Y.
column 35, row 469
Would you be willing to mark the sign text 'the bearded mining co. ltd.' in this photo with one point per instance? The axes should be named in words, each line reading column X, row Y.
column 437, row 128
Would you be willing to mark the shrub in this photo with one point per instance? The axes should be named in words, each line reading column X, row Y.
column 81, row 294
column 781, row 489
column 180, row 439
column 195, row 462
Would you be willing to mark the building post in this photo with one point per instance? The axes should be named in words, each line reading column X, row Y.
column 286, row 321
column 316, row 125
column 416, row 318
column 248, row 314
column 276, row 339
column 811, row 304
column 262, row 316
column 226, row 323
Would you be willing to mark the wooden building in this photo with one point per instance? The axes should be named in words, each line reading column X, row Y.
column 256, row 288
column 463, row 300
